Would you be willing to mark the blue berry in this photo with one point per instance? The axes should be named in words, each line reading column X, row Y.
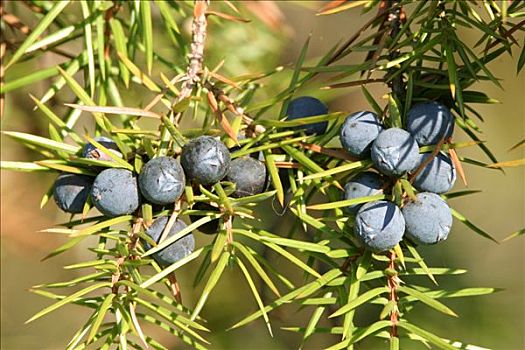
column 176, row 251
column 205, row 160
column 429, row 122
column 428, row 218
column 71, row 192
column 115, row 192
column 379, row 225
column 248, row 175
column 91, row 152
column 359, row 131
column 162, row 180
column 438, row 176
column 307, row 106
column 394, row 152
column 363, row 185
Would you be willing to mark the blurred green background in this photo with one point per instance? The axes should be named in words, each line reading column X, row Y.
column 496, row 321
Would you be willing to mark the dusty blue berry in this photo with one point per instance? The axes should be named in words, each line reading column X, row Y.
column 429, row 122
column 363, row 185
column 379, row 225
column 307, row 106
column 91, row 152
column 205, row 160
column 176, row 251
column 162, row 180
column 211, row 227
column 428, row 218
column 71, row 192
column 394, row 152
column 249, row 176
column 115, row 192
column 438, row 176
column 359, row 131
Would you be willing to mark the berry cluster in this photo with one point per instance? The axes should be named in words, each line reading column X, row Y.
column 205, row 160
column 425, row 219
column 114, row 191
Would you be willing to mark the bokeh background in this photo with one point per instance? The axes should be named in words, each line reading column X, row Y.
column 495, row 321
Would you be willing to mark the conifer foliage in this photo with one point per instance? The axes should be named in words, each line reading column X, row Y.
column 372, row 185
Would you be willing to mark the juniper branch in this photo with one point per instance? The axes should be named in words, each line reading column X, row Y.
column 396, row 16
column 220, row 95
column 393, row 282
column 196, row 56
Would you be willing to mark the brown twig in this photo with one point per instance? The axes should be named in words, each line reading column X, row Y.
column 132, row 244
column 175, row 288
column 108, row 15
column 396, row 16
column 393, row 283
column 116, row 275
column 191, row 78
column 196, row 56
column 194, row 70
